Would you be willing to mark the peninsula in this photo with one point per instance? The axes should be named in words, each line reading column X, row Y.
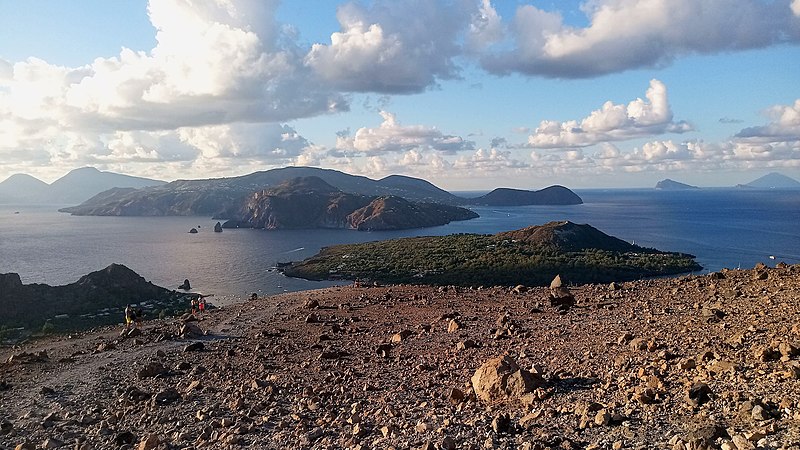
column 531, row 256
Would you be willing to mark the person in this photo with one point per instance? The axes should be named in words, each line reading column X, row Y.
column 128, row 316
column 194, row 304
column 202, row 303
column 139, row 317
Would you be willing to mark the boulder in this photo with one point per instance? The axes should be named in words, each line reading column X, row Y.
column 218, row 228
column 500, row 378
column 193, row 231
column 185, row 286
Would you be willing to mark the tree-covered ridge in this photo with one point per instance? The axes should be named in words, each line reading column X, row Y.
column 532, row 256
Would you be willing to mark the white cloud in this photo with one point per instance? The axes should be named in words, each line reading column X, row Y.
column 629, row 34
column 612, row 122
column 391, row 136
column 391, row 47
column 222, row 74
column 485, row 28
column 785, row 125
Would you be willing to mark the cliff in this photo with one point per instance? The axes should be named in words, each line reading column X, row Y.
column 310, row 202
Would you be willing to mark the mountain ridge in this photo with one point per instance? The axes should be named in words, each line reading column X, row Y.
column 77, row 185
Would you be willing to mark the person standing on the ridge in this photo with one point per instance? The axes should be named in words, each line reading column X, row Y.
column 194, row 304
column 128, row 316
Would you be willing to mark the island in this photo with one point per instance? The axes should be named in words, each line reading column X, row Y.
column 223, row 197
column 553, row 195
column 672, row 185
column 530, row 256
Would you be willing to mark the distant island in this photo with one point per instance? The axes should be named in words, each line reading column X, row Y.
column 530, row 256
column 553, row 195
column 76, row 186
column 671, row 185
column 95, row 299
column 310, row 202
column 772, row 180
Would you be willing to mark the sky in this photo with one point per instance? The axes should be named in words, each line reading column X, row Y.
column 468, row 94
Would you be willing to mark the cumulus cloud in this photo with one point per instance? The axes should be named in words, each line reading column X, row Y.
column 391, row 47
column 785, row 125
column 630, row 34
column 612, row 122
column 391, row 136
column 221, row 76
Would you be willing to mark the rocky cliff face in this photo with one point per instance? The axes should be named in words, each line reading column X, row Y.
column 311, row 203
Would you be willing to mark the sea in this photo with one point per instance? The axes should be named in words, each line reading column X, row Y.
column 723, row 228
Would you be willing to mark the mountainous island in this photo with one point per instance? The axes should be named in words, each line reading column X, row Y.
column 96, row 298
column 76, row 186
column 531, row 256
column 310, row 202
column 671, row 185
column 553, row 195
column 772, row 180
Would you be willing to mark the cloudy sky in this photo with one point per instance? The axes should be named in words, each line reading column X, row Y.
column 469, row 94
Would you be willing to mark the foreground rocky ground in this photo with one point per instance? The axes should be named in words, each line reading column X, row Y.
column 691, row 363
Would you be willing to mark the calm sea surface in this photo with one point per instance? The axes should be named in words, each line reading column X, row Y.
column 723, row 228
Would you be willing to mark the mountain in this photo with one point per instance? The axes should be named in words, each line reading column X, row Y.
column 672, row 185
column 553, row 195
column 88, row 300
column 310, row 202
column 530, row 256
column 76, row 186
column 22, row 188
column 81, row 184
column 215, row 196
column 774, row 180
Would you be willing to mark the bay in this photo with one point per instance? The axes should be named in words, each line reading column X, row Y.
column 722, row 227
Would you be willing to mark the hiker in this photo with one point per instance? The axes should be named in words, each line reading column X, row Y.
column 194, row 304
column 202, row 303
column 129, row 315
column 138, row 317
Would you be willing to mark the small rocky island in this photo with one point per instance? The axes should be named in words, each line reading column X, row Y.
column 310, row 202
column 532, row 256
column 672, row 185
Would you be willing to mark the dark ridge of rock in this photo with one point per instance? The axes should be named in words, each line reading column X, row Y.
column 553, row 195
column 32, row 305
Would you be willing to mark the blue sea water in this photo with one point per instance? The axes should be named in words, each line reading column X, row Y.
column 723, row 228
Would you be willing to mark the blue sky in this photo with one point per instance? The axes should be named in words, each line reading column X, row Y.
column 467, row 94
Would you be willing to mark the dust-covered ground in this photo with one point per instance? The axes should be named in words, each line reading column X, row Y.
column 689, row 363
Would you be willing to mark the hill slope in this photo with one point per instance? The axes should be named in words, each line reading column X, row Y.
column 310, row 202
column 531, row 256
column 89, row 300
column 695, row 362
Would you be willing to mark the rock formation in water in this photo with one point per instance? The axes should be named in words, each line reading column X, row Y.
column 672, row 185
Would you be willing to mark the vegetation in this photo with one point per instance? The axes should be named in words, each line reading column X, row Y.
column 580, row 253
